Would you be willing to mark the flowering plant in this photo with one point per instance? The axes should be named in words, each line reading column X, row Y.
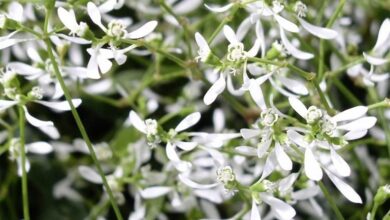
column 194, row 109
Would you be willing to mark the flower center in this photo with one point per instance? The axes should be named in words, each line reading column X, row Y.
column 236, row 52
column 328, row 126
column 268, row 117
column 313, row 114
column 225, row 175
column 151, row 127
column 116, row 29
column 36, row 92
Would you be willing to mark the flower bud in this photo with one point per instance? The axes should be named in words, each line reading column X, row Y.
column 382, row 194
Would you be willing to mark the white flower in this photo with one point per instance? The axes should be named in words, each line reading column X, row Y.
column 35, row 147
column 381, row 46
column 45, row 126
column 68, row 18
column 100, row 60
column 117, row 28
column 204, row 49
column 313, row 167
column 148, row 127
column 292, row 49
column 357, row 125
column 225, row 175
column 300, row 8
column 8, row 40
column 236, row 56
column 281, row 209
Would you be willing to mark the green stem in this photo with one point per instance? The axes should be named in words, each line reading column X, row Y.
column 171, row 57
column 353, row 144
column 373, row 212
column 323, row 99
column 383, row 104
column 223, row 22
column 307, row 75
column 336, row 13
column 381, row 116
column 26, row 212
column 183, row 24
column 77, row 118
column 321, row 64
column 348, row 94
column 330, row 200
column 342, row 69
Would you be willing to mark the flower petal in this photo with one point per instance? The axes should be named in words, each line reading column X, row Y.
column 255, row 214
column 353, row 135
column 216, row 89
column 10, row 42
column 218, row 120
column 243, row 29
column 50, row 131
column 383, row 34
column 219, row 9
column 350, row 114
column 103, row 63
column 293, row 50
column 230, row 35
column 342, row 167
column 137, row 122
column 297, row 138
column 40, row 147
column 36, row 122
column 94, row 14
column 188, row 121
column 186, row 146
column 283, row 159
column 286, row 184
column 312, row 168
column 24, row 69
column 68, row 19
column 250, row 151
column 257, row 94
column 249, row 133
column 376, row 61
column 283, row 210
column 296, row 86
column 286, row 24
column 186, row 6
column 269, row 166
column 90, row 174
column 4, row 104
column 60, row 106
column 306, row 193
column 359, row 124
column 263, row 147
column 155, row 192
column 143, row 30
column 298, row 106
column 201, row 42
column 324, row 33
column 77, row 40
column 344, row 188
column 92, row 66
column 187, row 181
column 171, row 153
